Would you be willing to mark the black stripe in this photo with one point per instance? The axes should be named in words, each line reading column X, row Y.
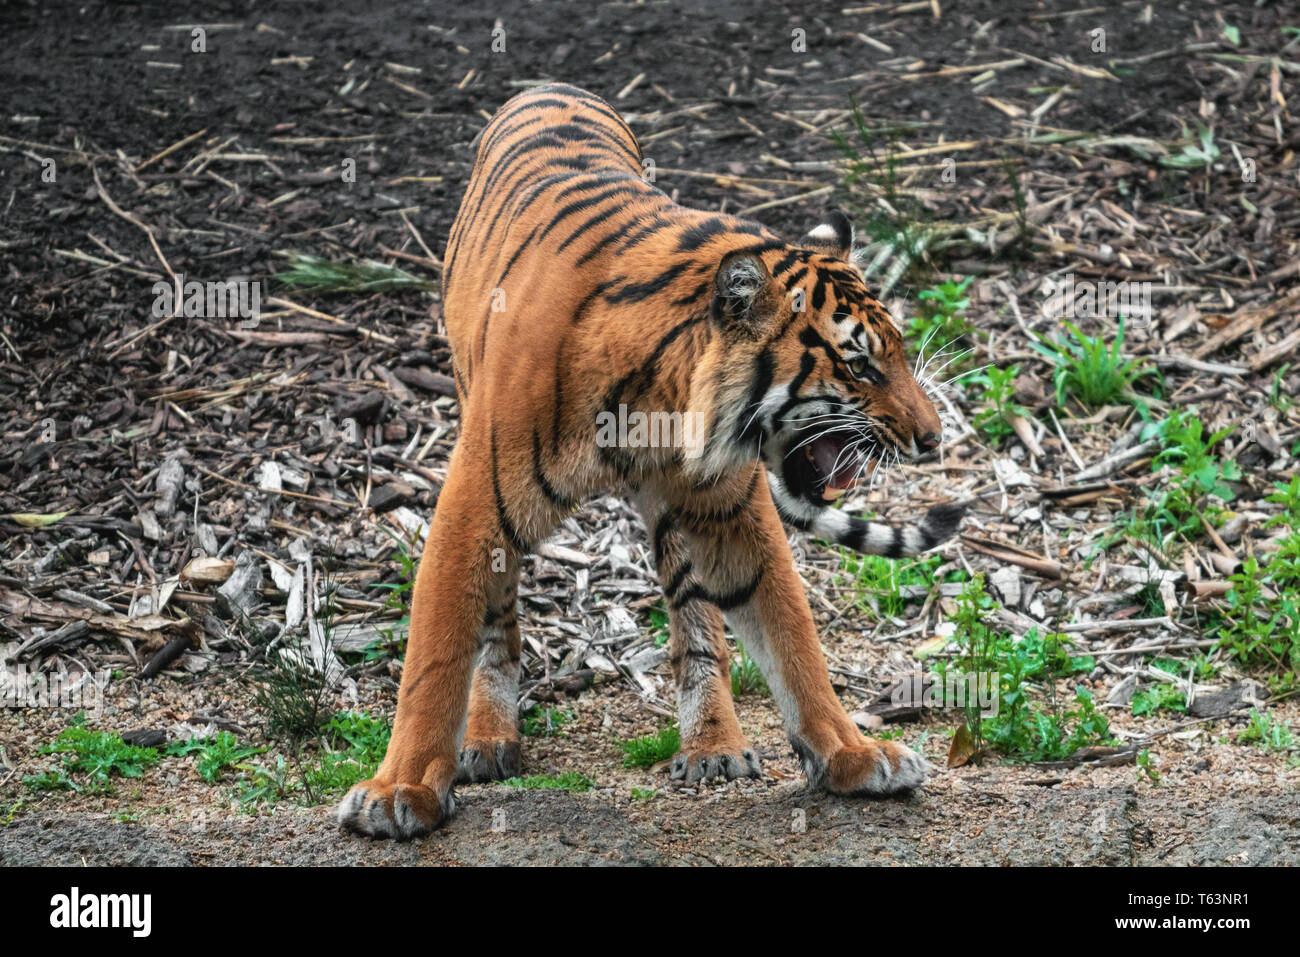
column 587, row 202
column 696, row 236
column 663, row 526
column 640, row 291
column 696, row 520
column 600, row 218
column 725, row 601
column 674, row 584
column 507, row 526
column 694, row 296
column 558, row 499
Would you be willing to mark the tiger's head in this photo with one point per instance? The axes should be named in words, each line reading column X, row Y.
column 829, row 394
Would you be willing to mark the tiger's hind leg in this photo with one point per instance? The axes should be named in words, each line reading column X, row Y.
column 411, row 793
column 491, row 750
column 712, row 742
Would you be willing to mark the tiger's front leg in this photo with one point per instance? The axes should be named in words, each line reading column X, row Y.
column 712, row 743
column 747, row 570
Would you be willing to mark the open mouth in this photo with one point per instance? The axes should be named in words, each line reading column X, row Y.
column 828, row 466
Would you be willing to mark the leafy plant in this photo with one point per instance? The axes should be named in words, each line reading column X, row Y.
column 659, row 629
column 348, row 278
column 1025, row 727
column 215, row 754
column 355, row 744
column 264, row 785
column 884, row 585
column 1185, row 446
column 1262, row 631
column 895, row 223
column 649, row 750
column 98, row 755
column 941, row 323
column 290, row 689
column 12, row 812
column 998, row 402
column 1288, row 496
column 1146, row 767
column 1200, row 154
column 1161, row 697
column 55, row 779
column 398, row 597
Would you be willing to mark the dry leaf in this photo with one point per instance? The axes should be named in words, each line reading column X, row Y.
column 962, row 748
column 36, row 520
column 207, row 571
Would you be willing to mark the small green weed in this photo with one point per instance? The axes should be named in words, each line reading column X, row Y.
column 1269, row 734
column 941, row 323
column 658, row 616
column 1023, row 728
column 997, row 403
column 539, row 722
column 1146, row 768
column 746, row 677
column 355, row 745
column 348, row 278
column 884, row 585
column 568, row 781
column 263, row 785
column 215, row 754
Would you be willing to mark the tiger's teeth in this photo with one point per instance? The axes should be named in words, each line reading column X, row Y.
column 831, row 494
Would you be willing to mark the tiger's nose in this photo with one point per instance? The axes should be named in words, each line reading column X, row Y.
column 928, row 442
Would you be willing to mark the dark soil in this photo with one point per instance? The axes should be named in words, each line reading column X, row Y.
column 231, row 157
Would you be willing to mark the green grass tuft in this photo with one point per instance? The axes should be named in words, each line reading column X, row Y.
column 650, row 750
column 339, row 278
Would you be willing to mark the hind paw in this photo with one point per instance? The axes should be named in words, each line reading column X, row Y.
column 489, row 760
column 692, row 766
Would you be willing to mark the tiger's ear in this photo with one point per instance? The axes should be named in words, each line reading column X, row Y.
column 742, row 294
column 834, row 237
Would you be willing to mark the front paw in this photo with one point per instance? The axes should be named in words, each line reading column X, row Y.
column 700, row 765
column 401, row 811
column 874, row 768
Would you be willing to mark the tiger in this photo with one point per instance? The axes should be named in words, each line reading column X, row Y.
column 575, row 290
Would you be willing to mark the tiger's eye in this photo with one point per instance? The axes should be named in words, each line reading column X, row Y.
column 860, row 366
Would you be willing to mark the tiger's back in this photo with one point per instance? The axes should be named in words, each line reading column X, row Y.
column 558, row 212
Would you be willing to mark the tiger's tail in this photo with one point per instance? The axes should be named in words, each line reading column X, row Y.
column 883, row 538
column 872, row 538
